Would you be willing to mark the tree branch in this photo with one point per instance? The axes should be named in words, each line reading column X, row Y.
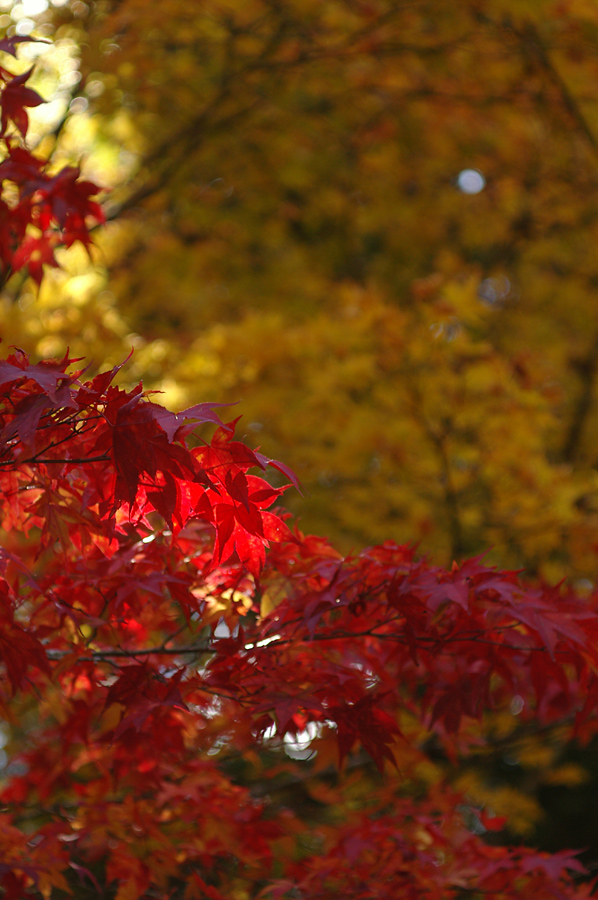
column 588, row 370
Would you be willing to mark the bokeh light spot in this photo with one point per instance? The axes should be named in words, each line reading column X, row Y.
column 470, row 181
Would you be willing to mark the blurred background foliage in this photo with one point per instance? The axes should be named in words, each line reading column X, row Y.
column 373, row 224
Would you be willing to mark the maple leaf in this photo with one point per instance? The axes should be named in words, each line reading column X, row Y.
column 49, row 375
column 14, row 879
column 13, row 100
column 141, row 690
column 178, row 425
column 24, row 169
column 19, row 650
column 242, row 526
column 35, row 253
column 555, row 864
column 141, row 448
column 130, row 873
column 492, row 823
column 92, row 391
column 67, row 202
column 366, row 722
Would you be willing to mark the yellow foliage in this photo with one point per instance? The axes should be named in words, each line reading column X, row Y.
column 569, row 775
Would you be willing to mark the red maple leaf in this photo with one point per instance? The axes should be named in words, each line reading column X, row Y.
column 35, row 253
column 14, row 98
column 141, row 448
column 19, row 650
column 67, row 202
column 22, row 168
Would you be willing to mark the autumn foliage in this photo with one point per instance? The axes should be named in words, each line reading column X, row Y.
column 200, row 701
column 45, row 210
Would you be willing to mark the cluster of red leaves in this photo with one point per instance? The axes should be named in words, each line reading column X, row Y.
column 38, row 211
column 422, row 849
column 149, row 640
